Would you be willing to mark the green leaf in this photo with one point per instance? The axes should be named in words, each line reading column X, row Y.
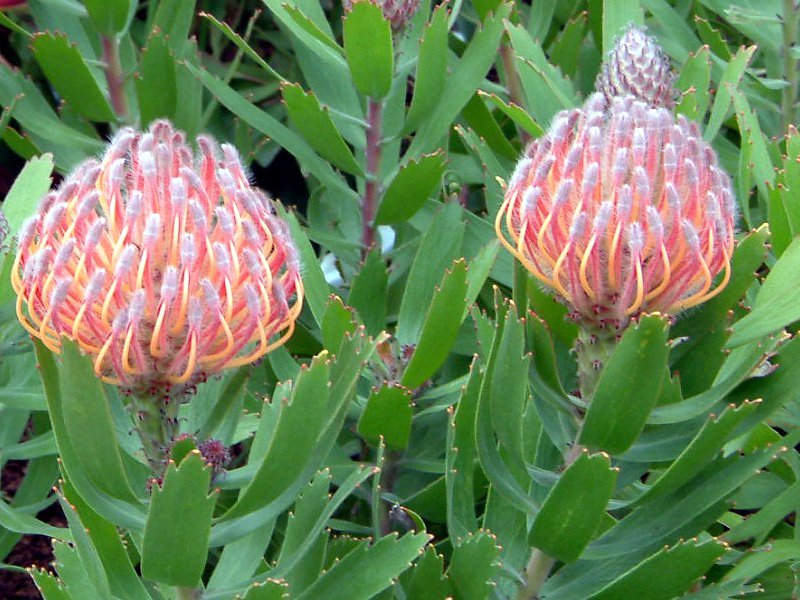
column 241, row 559
column 440, row 328
column 314, row 123
column 83, row 571
column 30, row 186
column 89, row 423
column 694, row 79
column 17, row 521
column 229, row 396
column 368, row 48
column 336, row 323
column 368, row 293
column 508, row 386
column 111, row 17
column 174, row 19
column 617, row 15
column 387, row 416
column 460, row 86
column 413, row 184
column 628, row 387
column 474, row 566
column 310, row 27
column 156, row 85
column 50, row 587
column 293, row 441
column 759, row 560
column 268, row 125
column 480, row 118
column 122, row 578
column 271, row 589
column 775, row 305
column 441, row 244
column 368, row 569
column 712, row 38
column 117, row 511
column 494, row 464
column 703, row 448
column 431, row 70
column 43, row 128
column 316, row 289
column 515, row 113
column 731, row 77
column 665, row 575
column 460, row 460
column 760, row 524
column 68, row 73
column 175, row 545
column 681, row 513
column 572, row 511
column 242, row 45
column 565, row 52
column 547, row 91
column 303, row 523
column 427, row 582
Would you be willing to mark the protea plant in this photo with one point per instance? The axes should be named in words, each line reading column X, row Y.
column 621, row 209
column 164, row 266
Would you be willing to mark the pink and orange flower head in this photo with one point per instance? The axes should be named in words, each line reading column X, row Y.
column 164, row 265
column 621, row 209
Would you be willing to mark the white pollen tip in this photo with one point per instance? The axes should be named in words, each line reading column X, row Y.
column 169, row 285
column 636, row 237
column 125, row 261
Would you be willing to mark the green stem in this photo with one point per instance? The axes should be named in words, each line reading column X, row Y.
column 594, row 347
column 789, row 100
column 514, row 85
column 113, row 71
column 157, row 423
column 536, row 574
column 187, row 593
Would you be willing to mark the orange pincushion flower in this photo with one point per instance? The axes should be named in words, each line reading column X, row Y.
column 162, row 265
column 621, row 209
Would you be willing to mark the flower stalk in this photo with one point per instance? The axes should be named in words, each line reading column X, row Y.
column 114, row 77
column 372, row 189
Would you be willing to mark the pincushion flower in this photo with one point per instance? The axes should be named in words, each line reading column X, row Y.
column 621, row 209
column 163, row 265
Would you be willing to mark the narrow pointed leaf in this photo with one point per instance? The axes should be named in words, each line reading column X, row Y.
column 68, row 73
column 314, row 123
column 431, row 70
column 368, row 48
column 474, row 566
column 368, row 569
column 156, row 85
column 414, row 183
column 111, row 17
column 572, row 511
column 665, row 575
column 387, row 416
column 175, row 546
column 628, row 387
column 368, row 293
column 776, row 304
column 445, row 314
column 88, row 420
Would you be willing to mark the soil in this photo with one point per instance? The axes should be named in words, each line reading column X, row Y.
column 31, row 550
